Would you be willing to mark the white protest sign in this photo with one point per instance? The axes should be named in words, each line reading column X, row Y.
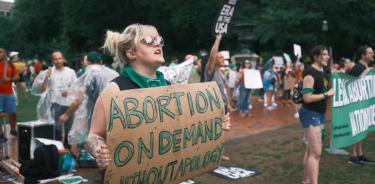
column 253, row 80
column 297, row 50
column 278, row 61
column 287, row 58
column 225, row 54
column 225, row 17
column 178, row 74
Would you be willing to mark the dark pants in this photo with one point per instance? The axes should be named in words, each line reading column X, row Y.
column 261, row 93
column 287, row 94
column 56, row 111
column 244, row 99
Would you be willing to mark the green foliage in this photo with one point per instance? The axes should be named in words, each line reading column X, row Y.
column 282, row 23
column 37, row 27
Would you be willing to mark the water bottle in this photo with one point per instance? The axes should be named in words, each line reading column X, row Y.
column 67, row 163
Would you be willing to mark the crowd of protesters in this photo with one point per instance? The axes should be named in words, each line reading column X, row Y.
column 72, row 99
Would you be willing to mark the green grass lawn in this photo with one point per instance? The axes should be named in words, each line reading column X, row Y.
column 26, row 110
column 276, row 154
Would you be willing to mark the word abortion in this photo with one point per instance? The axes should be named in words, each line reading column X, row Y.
column 354, row 91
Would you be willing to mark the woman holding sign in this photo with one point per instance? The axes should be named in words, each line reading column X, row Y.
column 315, row 95
column 244, row 92
column 139, row 48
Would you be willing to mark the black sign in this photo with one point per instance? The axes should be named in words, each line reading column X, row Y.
column 225, row 17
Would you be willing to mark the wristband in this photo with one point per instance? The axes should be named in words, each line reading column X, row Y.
column 325, row 95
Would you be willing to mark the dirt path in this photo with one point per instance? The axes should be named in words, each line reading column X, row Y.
column 261, row 120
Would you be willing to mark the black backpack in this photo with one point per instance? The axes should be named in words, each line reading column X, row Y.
column 297, row 95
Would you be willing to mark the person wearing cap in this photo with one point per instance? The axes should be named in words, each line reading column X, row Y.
column 20, row 66
column 8, row 74
column 57, row 81
column 85, row 92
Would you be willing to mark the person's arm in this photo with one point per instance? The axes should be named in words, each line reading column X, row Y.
column 308, row 89
column 267, row 75
column 97, row 135
column 96, row 138
column 240, row 76
column 70, row 111
column 214, row 50
column 44, row 86
column 15, row 76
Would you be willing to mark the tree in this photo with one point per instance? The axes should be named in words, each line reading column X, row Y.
column 78, row 26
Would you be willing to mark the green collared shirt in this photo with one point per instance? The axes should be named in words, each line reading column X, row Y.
column 142, row 81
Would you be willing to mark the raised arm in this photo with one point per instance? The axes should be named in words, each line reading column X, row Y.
column 215, row 49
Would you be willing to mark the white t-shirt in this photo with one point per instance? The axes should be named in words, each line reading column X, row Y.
column 59, row 82
column 233, row 75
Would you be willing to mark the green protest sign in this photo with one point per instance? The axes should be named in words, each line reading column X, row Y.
column 165, row 134
column 353, row 108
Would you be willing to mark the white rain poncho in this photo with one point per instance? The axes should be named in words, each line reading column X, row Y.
column 51, row 95
column 45, row 101
column 87, row 90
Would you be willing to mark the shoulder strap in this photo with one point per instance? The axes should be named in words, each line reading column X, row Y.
column 125, row 83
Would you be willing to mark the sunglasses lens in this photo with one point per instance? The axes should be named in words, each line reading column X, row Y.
column 160, row 41
column 152, row 41
column 148, row 40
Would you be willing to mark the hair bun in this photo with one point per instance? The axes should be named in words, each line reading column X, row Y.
column 111, row 42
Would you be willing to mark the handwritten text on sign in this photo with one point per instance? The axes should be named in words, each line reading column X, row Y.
column 225, row 17
column 163, row 135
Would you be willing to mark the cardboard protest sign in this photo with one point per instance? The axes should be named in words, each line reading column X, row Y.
column 178, row 74
column 253, row 80
column 225, row 16
column 165, row 134
column 297, row 50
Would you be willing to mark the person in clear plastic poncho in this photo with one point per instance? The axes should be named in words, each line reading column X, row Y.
column 54, row 87
column 85, row 91
column 82, row 96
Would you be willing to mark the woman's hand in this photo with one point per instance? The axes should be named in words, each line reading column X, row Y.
column 330, row 93
column 102, row 156
column 226, row 123
column 99, row 150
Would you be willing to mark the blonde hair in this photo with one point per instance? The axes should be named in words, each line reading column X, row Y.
column 117, row 43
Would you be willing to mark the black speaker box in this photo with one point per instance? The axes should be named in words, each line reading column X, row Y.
column 29, row 130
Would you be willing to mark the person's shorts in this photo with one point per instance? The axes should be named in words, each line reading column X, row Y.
column 8, row 103
column 269, row 88
column 310, row 118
